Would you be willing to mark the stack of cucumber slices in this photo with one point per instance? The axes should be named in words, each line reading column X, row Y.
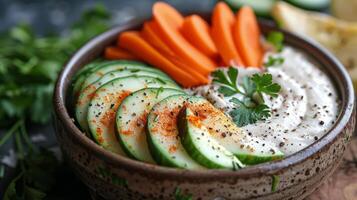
column 135, row 110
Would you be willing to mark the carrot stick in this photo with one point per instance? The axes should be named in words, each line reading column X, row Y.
column 133, row 42
column 149, row 34
column 222, row 24
column 178, row 62
column 197, row 31
column 169, row 24
column 115, row 53
column 246, row 34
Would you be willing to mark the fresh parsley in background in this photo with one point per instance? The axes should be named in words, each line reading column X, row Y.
column 276, row 39
column 251, row 107
column 29, row 66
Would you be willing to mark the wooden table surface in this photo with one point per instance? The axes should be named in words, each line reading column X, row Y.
column 342, row 185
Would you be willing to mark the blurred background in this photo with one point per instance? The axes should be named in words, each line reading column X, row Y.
column 47, row 16
column 38, row 36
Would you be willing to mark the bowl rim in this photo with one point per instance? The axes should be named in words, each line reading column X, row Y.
column 269, row 168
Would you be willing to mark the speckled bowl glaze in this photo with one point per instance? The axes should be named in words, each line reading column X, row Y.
column 110, row 176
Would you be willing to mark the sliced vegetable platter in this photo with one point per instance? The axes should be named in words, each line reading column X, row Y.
column 135, row 102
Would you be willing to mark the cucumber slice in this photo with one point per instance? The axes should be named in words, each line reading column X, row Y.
column 163, row 136
column 85, row 95
column 311, row 4
column 105, row 102
column 249, row 150
column 99, row 71
column 131, row 120
column 202, row 147
column 87, row 68
column 261, row 8
column 81, row 76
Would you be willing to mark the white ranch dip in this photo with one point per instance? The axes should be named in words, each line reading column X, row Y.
column 306, row 108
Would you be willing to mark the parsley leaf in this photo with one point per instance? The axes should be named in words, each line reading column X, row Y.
column 276, row 39
column 264, row 84
column 252, row 107
column 244, row 115
column 29, row 66
column 230, row 83
column 274, row 61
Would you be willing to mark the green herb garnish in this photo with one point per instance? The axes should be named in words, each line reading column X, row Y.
column 29, row 66
column 37, row 167
column 264, row 84
column 179, row 196
column 275, row 183
column 229, row 84
column 244, row 115
column 160, row 90
column 252, row 107
column 274, row 61
column 276, row 39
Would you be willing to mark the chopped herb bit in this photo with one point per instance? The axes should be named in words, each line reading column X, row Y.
column 276, row 39
column 179, row 196
column 160, row 80
column 275, row 182
column 160, row 90
column 274, row 61
column 134, row 70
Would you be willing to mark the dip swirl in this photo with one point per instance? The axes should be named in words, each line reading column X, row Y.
column 305, row 109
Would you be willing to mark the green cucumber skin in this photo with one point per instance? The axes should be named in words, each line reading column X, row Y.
column 160, row 154
column 255, row 159
column 80, row 77
column 310, row 4
column 245, row 157
column 117, row 65
column 111, row 143
column 126, row 151
column 78, row 80
column 87, row 68
column 81, row 110
column 263, row 11
column 156, row 153
column 130, row 99
column 189, row 145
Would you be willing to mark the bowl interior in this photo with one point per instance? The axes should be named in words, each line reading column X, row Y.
column 94, row 48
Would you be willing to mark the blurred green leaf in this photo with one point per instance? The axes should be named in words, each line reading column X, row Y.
column 29, row 65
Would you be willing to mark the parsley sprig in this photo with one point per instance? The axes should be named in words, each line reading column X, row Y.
column 29, row 66
column 251, row 107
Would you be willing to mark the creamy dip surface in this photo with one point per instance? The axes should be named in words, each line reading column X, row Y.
column 305, row 109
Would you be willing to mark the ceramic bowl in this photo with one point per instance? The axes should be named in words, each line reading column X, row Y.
column 110, row 176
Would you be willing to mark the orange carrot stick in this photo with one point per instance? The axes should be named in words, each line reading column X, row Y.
column 197, row 31
column 148, row 33
column 115, row 53
column 169, row 24
column 246, row 34
column 222, row 24
column 178, row 62
column 133, row 42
